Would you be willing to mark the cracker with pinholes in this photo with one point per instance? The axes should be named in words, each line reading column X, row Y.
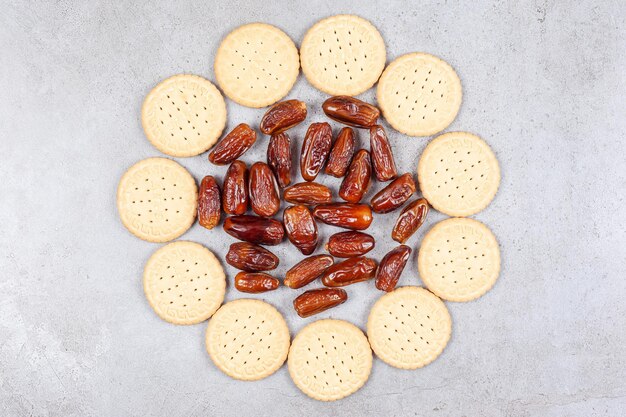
column 409, row 327
column 183, row 115
column 459, row 259
column 419, row 94
column 157, row 199
column 343, row 55
column 330, row 359
column 256, row 65
column 247, row 339
column 458, row 174
column 184, row 283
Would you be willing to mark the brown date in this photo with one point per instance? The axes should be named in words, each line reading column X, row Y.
column 350, row 271
column 315, row 301
column 357, row 180
column 393, row 195
column 348, row 216
column 251, row 258
column 255, row 282
column 209, row 203
column 263, row 190
column 309, row 193
column 315, row 149
column 351, row 111
column 307, row 270
column 255, row 229
column 410, row 219
column 341, row 154
column 390, row 268
column 349, row 244
column 382, row 156
column 279, row 158
column 282, row 116
column 301, row 228
column 233, row 145
column 235, row 192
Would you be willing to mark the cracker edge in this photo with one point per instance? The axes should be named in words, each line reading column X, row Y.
column 421, row 262
column 381, row 105
column 421, row 173
column 250, row 103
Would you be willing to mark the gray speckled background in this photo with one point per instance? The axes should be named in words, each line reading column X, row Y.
column 544, row 84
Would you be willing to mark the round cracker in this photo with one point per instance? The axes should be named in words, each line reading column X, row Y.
column 343, row 55
column 330, row 359
column 458, row 174
column 157, row 199
column 183, row 115
column 184, row 283
column 256, row 65
column 419, row 94
column 409, row 327
column 459, row 259
column 247, row 339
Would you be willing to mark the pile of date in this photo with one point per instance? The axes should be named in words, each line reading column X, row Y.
column 259, row 187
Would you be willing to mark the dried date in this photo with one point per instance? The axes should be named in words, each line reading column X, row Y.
column 341, row 153
column 350, row 271
column 250, row 257
column 255, row 282
column 307, row 270
column 410, row 219
column 279, row 158
column 349, row 244
column 309, row 193
column 391, row 267
column 301, row 228
column 393, row 195
column 382, row 156
column 235, row 192
column 315, row 149
column 315, row 301
column 282, row 116
column 209, row 203
column 346, row 215
column 351, row 111
column 255, row 229
column 263, row 190
column 357, row 181
column 233, row 145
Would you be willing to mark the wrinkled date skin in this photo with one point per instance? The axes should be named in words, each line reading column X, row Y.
column 382, row 156
column 235, row 192
column 301, row 228
column 350, row 271
column 348, row 216
column 341, row 154
column 349, row 244
column 255, row 229
column 263, row 190
column 251, row 258
column 309, row 193
column 209, row 203
column 351, row 111
column 357, row 180
column 233, row 145
column 315, row 149
column 410, row 219
column 279, row 158
column 394, row 195
column 307, row 270
column 315, row 301
column 255, row 282
column 282, row 116
column 391, row 267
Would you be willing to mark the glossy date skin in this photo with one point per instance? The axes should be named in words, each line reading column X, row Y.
column 349, row 244
column 315, row 301
column 279, row 158
column 315, row 150
column 358, row 179
column 307, row 270
column 250, row 257
column 301, row 228
column 255, row 229
column 209, row 203
column 264, row 198
column 382, row 156
column 391, row 267
column 394, row 195
column 309, row 193
column 255, row 282
column 283, row 116
column 233, row 145
column 235, row 192
column 410, row 219
column 350, row 271
column 351, row 111
column 341, row 153
column 345, row 215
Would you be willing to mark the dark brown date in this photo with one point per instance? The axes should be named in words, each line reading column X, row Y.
column 235, row 192
column 341, row 154
column 255, row 229
column 350, row 271
column 233, row 145
column 351, row 111
column 393, row 195
column 357, row 181
column 282, row 116
column 307, row 270
column 263, row 190
column 279, row 158
column 346, row 215
column 209, row 203
column 309, row 193
column 349, row 244
column 382, row 156
column 391, row 267
column 315, row 301
column 410, row 219
column 251, row 258
column 301, row 228
column 315, row 149
column 255, row 282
